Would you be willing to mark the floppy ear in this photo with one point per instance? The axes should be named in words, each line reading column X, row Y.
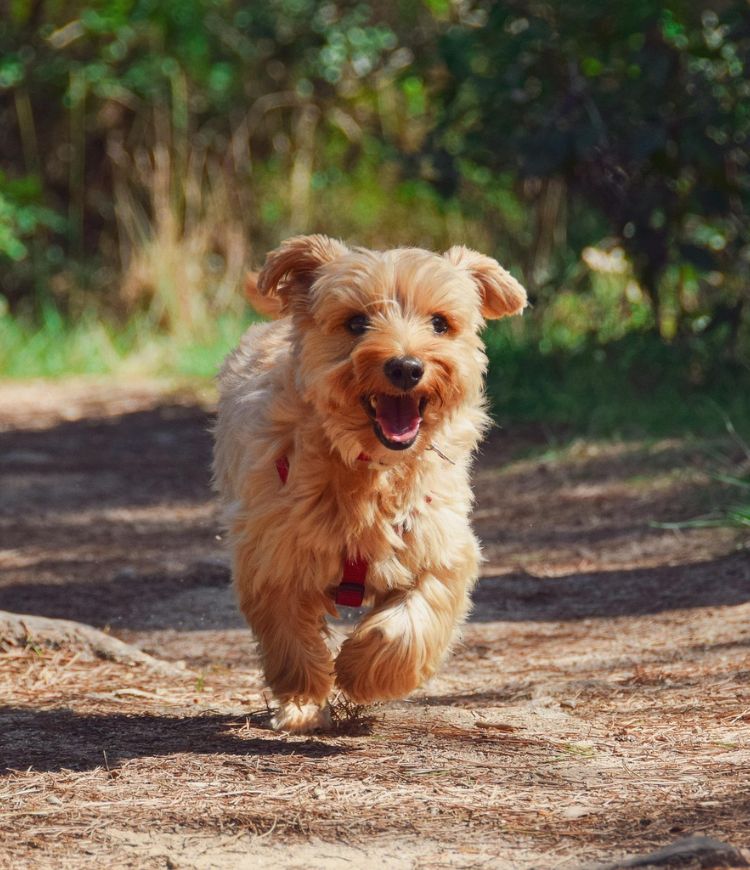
column 291, row 268
column 268, row 306
column 500, row 293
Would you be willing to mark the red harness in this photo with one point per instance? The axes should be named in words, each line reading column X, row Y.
column 351, row 590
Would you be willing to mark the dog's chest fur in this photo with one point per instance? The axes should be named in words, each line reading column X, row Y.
column 402, row 520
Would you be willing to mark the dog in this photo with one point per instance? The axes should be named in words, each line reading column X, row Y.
column 343, row 443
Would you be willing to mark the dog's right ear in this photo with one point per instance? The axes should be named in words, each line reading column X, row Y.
column 291, row 269
column 500, row 294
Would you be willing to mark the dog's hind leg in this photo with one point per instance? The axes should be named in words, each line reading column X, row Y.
column 296, row 660
column 403, row 641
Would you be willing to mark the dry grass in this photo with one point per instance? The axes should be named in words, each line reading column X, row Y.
column 183, row 246
column 598, row 706
column 585, row 759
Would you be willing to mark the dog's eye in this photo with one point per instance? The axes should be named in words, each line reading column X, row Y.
column 439, row 324
column 359, row 324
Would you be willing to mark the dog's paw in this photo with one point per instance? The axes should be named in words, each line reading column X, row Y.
column 371, row 668
column 301, row 718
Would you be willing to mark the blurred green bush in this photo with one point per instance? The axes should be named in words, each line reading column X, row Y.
column 153, row 149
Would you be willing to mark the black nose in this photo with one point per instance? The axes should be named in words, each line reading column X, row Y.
column 404, row 372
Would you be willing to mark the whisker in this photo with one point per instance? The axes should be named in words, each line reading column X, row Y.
column 441, row 454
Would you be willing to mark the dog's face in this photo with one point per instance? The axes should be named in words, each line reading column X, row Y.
column 387, row 342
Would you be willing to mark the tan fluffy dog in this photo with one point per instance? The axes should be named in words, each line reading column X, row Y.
column 369, row 393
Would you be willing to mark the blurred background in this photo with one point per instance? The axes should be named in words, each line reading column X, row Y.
column 152, row 150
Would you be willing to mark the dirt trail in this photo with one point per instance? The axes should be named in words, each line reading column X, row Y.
column 599, row 705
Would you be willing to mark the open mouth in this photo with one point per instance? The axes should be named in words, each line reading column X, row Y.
column 395, row 419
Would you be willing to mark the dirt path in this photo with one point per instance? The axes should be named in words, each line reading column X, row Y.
column 599, row 705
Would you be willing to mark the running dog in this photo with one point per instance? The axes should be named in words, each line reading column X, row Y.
column 344, row 440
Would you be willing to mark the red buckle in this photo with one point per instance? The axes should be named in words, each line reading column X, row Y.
column 351, row 590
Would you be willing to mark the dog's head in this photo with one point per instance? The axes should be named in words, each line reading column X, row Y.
column 387, row 342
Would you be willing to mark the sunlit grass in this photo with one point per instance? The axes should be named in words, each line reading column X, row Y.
column 53, row 346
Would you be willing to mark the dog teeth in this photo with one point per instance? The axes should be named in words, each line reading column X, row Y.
column 373, row 403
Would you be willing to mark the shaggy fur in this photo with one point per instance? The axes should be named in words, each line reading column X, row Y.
column 312, row 386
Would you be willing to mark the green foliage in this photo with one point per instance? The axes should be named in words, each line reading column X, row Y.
column 86, row 88
column 634, row 386
column 600, row 152
column 640, row 111
column 22, row 217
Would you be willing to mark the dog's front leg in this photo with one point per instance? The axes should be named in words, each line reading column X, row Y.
column 402, row 642
column 296, row 661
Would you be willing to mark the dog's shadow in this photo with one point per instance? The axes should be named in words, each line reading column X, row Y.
column 63, row 739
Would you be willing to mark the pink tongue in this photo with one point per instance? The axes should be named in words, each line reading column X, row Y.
column 398, row 416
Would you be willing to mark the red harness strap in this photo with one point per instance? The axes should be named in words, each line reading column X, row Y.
column 351, row 590
column 282, row 466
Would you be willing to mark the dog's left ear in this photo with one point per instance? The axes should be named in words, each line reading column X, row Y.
column 292, row 267
column 499, row 291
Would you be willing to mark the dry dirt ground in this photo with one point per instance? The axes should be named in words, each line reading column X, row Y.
column 598, row 707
